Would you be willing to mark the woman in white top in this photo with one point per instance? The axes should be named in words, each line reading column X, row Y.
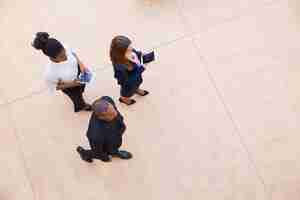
column 63, row 69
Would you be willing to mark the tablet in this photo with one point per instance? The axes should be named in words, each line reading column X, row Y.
column 148, row 57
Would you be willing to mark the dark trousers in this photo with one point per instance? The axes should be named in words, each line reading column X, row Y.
column 75, row 94
column 90, row 154
column 108, row 149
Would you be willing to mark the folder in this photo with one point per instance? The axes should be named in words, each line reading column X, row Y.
column 147, row 58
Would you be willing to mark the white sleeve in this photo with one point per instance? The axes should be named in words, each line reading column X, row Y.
column 51, row 81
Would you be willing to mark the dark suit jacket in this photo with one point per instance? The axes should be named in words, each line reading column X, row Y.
column 105, row 137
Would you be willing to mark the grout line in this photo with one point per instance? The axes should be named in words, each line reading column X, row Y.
column 41, row 91
column 22, row 154
column 105, row 67
column 167, row 43
column 221, row 98
column 188, row 35
column 230, row 115
column 34, row 93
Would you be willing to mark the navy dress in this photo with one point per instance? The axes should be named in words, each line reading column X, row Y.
column 131, row 80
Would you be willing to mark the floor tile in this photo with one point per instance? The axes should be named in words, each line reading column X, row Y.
column 49, row 138
column 221, row 121
column 15, row 183
column 195, row 146
column 279, row 165
column 255, row 72
column 153, row 136
column 89, row 33
column 264, row 79
column 201, row 15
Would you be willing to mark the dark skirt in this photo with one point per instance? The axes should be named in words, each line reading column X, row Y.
column 129, row 91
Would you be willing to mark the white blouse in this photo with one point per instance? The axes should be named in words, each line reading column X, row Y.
column 65, row 71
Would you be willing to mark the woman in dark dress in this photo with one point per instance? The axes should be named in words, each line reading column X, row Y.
column 127, row 69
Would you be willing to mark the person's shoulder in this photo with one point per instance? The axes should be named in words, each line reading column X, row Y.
column 93, row 117
column 48, row 71
column 93, row 125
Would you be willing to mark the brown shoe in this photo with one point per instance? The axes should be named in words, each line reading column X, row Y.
column 131, row 102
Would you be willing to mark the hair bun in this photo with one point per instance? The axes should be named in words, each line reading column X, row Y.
column 40, row 40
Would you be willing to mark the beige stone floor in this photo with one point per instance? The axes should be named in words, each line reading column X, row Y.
column 221, row 123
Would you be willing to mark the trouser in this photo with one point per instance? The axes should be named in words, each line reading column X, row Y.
column 75, row 94
column 90, row 154
column 108, row 149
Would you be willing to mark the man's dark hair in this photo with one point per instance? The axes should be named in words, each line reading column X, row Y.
column 100, row 106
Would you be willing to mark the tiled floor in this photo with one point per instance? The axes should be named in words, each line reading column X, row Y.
column 221, row 123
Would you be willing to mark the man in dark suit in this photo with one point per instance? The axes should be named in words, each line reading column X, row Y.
column 105, row 131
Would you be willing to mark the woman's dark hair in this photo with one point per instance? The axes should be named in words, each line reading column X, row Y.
column 118, row 49
column 50, row 46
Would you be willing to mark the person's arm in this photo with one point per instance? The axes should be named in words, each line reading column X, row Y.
column 82, row 67
column 61, row 85
column 120, row 75
column 139, row 54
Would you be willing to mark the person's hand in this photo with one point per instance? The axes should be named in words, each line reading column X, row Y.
column 59, row 83
column 76, row 81
column 83, row 68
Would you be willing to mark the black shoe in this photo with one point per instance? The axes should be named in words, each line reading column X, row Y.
column 81, row 152
column 123, row 155
column 106, row 158
column 132, row 101
column 87, row 107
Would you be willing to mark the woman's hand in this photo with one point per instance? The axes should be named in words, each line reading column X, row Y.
column 82, row 67
column 61, row 85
